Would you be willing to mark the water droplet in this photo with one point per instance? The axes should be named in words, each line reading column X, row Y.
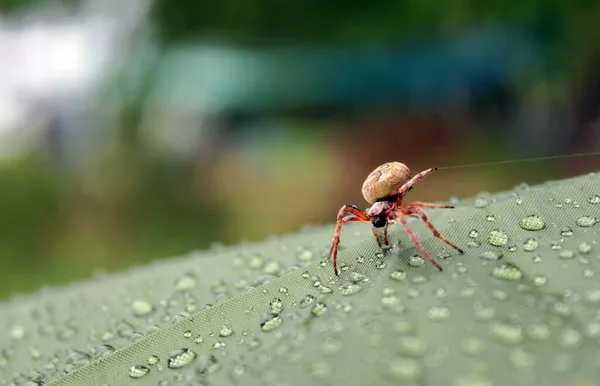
column 350, row 289
column 566, row 232
column 473, row 244
column 306, row 301
column 530, row 244
column 398, row 275
column 522, row 359
column 180, row 358
column 380, row 264
column 185, row 283
column 270, row 322
column 473, row 233
column 141, row 308
column 540, row 281
column 405, row 369
column 225, row 332
column 518, row 201
column 412, row 346
column 507, row 333
column 416, row 261
column 152, row 360
column 586, row 221
column 595, row 199
column 592, row 295
column 490, row 218
column 319, row 309
column 473, row 346
column 512, row 248
column 17, row 332
column 570, row 338
column 507, row 271
column 532, row 223
column 584, row 248
column 498, row 238
column 566, row 254
column 492, row 254
column 481, row 203
column 138, row 371
column 305, row 255
column 437, row 313
column 357, row 277
column 538, row 331
column 276, row 306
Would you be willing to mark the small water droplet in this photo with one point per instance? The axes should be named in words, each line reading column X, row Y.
column 276, row 306
column 492, row 254
column 595, row 199
column 584, row 248
column 498, row 238
column 507, row 333
column 532, row 223
column 357, row 277
column 225, row 332
column 522, row 359
column 570, row 338
column 518, row 201
column 566, row 231
column 398, row 275
column 473, row 346
column 181, row 358
column 141, row 308
column 152, row 360
column 405, row 369
column 319, row 309
column 473, row 244
column 507, row 271
column 306, row 301
column 586, row 221
column 305, row 255
column 481, row 203
column 566, row 254
column 270, row 322
column 416, row 261
column 438, row 313
column 540, row 280
column 185, row 283
column 490, row 218
column 473, row 233
column 138, row 371
column 530, row 244
column 538, row 331
column 512, row 248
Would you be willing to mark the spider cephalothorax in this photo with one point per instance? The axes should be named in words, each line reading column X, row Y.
column 384, row 189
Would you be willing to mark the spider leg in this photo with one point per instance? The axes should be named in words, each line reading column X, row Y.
column 427, row 205
column 398, row 214
column 355, row 215
column 385, row 234
column 414, row 210
column 376, row 237
column 404, row 188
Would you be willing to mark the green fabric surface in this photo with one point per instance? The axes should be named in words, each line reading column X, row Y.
column 273, row 313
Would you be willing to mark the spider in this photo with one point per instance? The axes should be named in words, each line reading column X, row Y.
column 384, row 188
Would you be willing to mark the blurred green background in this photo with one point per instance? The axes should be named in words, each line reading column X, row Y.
column 138, row 130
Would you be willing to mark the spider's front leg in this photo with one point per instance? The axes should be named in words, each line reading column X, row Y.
column 355, row 215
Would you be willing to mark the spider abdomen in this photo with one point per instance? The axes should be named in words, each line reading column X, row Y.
column 384, row 181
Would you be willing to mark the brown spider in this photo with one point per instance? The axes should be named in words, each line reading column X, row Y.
column 384, row 188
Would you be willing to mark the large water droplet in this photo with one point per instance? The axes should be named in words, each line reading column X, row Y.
column 566, row 254
column 532, row 223
column 584, row 248
column 181, row 358
column 507, row 271
column 225, row 332
column 481, row 203
column 498, row 238
column 319, row 309
column 586, row 221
